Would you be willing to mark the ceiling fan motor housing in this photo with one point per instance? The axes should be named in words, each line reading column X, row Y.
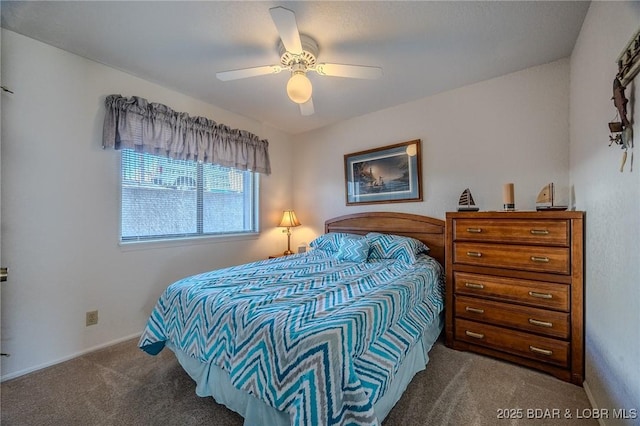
column 307, row 58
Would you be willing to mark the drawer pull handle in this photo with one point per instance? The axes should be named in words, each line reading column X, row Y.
column 475, row 310
column 474, row 285
column 541, row 295
column 540, row 323
column 475, row 335
column 540, row 259
column 540, row 351
column 539, row 232
column 474, row 254
column 474, row 230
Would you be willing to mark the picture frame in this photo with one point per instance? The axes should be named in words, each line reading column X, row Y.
column 389, row 174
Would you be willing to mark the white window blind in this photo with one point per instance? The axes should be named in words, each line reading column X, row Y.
column 167, row 198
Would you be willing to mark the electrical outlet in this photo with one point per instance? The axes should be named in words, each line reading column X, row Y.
column 92, row 318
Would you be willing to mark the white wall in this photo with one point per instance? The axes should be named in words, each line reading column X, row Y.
column 612, row 202
column 60, row 209
column 512, row 128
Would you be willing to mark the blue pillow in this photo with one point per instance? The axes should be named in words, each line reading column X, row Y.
column 387, row 246
column 353, row 250
column 331, row 241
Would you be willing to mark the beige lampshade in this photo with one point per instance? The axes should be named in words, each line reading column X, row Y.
column 289, row 219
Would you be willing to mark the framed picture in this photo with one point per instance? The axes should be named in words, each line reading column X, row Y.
column 390, row 174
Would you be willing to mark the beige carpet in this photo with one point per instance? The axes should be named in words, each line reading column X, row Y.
column 121, row 386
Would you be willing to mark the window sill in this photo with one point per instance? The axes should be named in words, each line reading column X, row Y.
column 191, row 241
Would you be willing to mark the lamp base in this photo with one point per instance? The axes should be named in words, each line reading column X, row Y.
column 288, row 250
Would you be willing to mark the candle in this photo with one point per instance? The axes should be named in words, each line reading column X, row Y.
column 507, row 197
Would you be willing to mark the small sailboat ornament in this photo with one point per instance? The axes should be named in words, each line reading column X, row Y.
column 545, row 199
column 466, row 203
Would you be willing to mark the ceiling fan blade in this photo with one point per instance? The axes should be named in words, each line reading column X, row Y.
column 285, row 21
column 350, row 71
column 248, row 72
column 307, row 107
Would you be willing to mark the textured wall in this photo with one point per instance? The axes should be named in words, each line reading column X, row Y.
column 612, row 202
column 61, row 209
column 512, row 128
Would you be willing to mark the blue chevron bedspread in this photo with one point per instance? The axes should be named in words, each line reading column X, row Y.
column 310, row 335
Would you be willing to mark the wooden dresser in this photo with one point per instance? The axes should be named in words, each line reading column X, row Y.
column 515, row 288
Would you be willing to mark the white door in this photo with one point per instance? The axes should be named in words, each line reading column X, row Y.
column 2, row 278
column 2, row 270
column 1, row 265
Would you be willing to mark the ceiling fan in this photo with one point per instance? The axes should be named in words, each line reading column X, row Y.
column 298, row 54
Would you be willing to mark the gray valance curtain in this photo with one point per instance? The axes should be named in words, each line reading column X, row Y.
column 156, row 129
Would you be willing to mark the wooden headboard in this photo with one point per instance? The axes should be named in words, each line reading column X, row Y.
column 426, row 229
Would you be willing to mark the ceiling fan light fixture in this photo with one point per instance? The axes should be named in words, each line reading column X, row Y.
column 299, row 87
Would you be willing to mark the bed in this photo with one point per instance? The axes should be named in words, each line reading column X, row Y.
column 331, row 336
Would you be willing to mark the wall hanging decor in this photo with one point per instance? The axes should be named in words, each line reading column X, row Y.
column 390, row 174
column 621, row 128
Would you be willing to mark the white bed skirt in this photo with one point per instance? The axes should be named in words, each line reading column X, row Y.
column 213, row 381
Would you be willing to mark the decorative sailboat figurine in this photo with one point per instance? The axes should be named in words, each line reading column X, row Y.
column 545, row 199
column 466, row 203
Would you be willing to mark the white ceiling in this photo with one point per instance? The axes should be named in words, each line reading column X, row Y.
column 423, row 47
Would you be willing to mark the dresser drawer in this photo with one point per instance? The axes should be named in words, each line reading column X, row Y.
column 529, row 292
column 514, row 342
column 527, row 258
column 535, row 320
column 544, row 232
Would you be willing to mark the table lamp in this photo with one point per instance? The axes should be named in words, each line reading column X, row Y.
column 289, row 220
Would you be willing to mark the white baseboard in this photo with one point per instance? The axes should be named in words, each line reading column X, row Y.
column 592, row 401
column 66, row 358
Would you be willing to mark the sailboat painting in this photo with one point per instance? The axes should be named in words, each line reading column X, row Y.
column 545, row 199
column 466, row 203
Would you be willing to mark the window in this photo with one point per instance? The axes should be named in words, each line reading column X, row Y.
column 165, row 198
